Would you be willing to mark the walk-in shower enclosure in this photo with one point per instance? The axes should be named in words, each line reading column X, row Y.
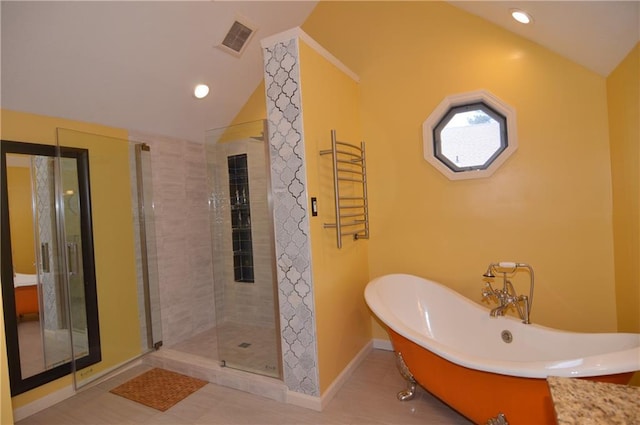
column 243, row 248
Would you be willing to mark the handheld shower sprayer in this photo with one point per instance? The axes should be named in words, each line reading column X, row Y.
column 489, row 273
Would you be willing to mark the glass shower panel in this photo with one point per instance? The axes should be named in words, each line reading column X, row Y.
column 245, row 286
column 146, row 252
column 72, row 246
column 109, row 153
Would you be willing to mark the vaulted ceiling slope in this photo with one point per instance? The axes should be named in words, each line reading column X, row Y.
column 133, row 65
column 595, row 34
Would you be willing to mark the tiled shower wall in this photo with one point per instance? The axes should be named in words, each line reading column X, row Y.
column 240, row 302
column 179, row 179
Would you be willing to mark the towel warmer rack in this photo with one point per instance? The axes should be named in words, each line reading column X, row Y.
column 352, row 211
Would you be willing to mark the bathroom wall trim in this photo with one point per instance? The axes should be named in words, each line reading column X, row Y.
column 304, row 400
column 382, row 344
column 69, row 391
column 298, row 33
column 43, row 403
column 319, row 403
column 346, row 373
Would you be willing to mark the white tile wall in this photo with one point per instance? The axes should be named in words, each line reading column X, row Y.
column 183, row 236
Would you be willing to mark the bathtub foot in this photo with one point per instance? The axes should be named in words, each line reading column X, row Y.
column 501, row 419
column 410, row 391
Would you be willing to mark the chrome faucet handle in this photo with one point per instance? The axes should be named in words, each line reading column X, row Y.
column 502, row 296
column 488, row 293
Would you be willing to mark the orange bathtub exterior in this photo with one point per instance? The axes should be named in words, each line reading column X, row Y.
column 26, row 300
column 480, row 395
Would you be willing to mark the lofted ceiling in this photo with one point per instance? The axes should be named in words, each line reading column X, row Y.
column 133, row 65
column 595, row 34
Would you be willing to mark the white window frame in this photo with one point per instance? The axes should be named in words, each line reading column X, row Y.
column 465, row 99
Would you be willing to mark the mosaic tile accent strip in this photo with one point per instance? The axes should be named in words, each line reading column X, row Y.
column 293, row 253
column 45, row 204
column 181, row 223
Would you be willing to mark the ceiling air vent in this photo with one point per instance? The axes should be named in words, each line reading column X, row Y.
column 237, row 37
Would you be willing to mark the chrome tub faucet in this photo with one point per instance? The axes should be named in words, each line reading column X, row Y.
column 507, row 296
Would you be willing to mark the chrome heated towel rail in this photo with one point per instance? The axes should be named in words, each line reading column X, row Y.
column 350, row 190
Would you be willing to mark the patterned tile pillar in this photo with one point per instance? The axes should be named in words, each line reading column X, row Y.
column 47, row 234
column 293, row 252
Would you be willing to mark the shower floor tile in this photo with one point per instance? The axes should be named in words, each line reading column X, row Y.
column 240, row 346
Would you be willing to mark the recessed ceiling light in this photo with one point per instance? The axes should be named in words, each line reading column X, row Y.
column 201, row 91
column 521, row 16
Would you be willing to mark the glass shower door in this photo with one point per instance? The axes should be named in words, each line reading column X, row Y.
column 72, row 245
column 247, row 327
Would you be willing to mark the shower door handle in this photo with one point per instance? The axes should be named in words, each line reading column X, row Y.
column 72, row 258
column 44, row 252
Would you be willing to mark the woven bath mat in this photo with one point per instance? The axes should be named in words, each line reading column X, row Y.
column 159, row 388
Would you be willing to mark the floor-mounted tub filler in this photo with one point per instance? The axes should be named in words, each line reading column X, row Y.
column 490, row 369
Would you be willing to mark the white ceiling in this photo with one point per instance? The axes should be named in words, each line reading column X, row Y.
column 133, row 65
column 595, row 34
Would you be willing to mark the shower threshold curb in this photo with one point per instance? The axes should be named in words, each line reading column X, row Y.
column 211, row 371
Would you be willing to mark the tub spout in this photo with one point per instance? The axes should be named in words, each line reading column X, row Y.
column 498, row 311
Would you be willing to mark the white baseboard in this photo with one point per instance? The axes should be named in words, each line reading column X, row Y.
column 304, row 400
column 69, row 391
column 42, row 403
column 319, row 403
column 382, row 344
column 345, row 374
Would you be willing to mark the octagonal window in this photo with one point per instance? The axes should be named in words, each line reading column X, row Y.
column 469, row 135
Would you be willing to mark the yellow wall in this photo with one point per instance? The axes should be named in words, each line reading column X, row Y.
column 249, row 122
column 623, row 90
column 550, row 203
column 255, row 108
column 112, row 232
column 330, row 101
column 21, row 219
column 6, row 410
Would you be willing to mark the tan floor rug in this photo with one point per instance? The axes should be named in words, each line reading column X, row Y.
column 159, row 388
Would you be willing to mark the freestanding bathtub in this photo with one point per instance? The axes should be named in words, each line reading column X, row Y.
column 456, row 351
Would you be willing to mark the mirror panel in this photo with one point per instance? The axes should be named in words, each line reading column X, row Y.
column 48, row 279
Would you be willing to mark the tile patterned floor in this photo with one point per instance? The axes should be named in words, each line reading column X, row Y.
column 259, row 356
column 55, row 348
column 368, row 397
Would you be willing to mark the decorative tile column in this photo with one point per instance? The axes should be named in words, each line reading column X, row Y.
column 293, row 252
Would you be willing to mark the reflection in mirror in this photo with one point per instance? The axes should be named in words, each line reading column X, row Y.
column 39, row 295
column 47, row 263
